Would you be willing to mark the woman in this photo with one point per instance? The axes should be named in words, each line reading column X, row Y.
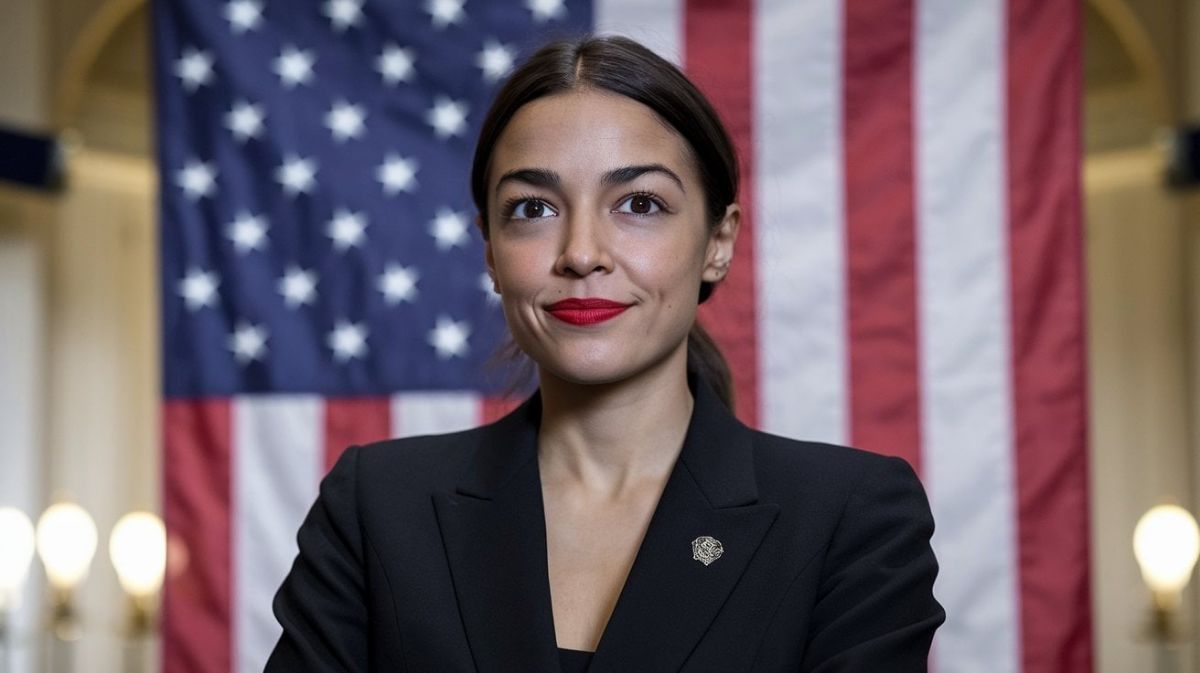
column 622, row 518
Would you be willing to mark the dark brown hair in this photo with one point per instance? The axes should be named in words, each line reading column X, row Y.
column 621, row 66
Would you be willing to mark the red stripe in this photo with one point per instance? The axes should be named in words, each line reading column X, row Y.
column 197, row 594
column 880, row 228
column 495, row 408
column 355, row 420
column 1049, row 385
column 718, row 54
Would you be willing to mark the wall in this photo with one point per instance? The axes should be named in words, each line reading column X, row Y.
column 23, row 218
column 1141, row 452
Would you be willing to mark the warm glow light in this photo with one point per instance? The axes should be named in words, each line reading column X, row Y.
column 66, row 541
column 16, row 551
column 138, row 548
column 1166, row 542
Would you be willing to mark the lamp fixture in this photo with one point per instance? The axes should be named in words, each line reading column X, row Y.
column 1166, row 543
column 66, row 541
column 138, row 549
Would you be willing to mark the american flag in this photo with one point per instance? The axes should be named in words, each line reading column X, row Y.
column 908, row 280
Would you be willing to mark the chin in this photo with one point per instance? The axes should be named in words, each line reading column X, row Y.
column 596, row 364
column 588, row 368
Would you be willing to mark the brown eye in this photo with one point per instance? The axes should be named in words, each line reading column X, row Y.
column 640, row 204
column 529, row 209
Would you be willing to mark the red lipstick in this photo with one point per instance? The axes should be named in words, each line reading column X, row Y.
column 586, row 311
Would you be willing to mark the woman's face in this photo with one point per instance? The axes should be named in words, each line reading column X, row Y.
column 598, row 238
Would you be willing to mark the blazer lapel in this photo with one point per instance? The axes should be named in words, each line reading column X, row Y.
column 493, row 530
column 670, row 599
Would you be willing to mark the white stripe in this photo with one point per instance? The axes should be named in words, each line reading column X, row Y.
column 799, row 219
column 429, row 413
column 967, row 452
column 278, row 459
column 658, row 24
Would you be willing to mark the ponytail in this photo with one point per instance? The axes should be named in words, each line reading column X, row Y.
column 705, row 359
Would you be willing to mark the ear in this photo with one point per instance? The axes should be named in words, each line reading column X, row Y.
column 719, row 254
column 488, row 258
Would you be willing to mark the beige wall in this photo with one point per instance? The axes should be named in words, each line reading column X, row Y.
column 1140, row 446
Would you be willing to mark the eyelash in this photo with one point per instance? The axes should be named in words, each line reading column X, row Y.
column 510, row 206
column 662, row 207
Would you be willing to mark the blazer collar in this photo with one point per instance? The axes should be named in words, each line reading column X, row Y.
column 717, row 450
column 493, row 529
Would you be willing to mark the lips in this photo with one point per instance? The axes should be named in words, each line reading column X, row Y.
column 586, row 311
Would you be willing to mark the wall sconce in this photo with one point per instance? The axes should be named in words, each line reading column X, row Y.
column 1166, row 542
column 66, row 541
column 138, row 549
column 15, row 554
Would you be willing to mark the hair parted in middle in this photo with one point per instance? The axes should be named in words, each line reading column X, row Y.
column 621, row 66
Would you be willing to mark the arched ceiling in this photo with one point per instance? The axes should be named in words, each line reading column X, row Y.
column 114, row 110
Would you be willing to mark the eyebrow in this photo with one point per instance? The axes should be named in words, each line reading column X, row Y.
column 540, row 177
column 620, row 176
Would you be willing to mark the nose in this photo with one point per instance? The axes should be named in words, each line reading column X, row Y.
column 584, row 248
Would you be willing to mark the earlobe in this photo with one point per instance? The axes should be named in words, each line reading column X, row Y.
column 490, row 261
column 720, row 245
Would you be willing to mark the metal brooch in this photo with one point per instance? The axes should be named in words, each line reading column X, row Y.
column 707, row 549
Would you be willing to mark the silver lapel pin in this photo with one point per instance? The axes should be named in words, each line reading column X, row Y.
column 707, row 549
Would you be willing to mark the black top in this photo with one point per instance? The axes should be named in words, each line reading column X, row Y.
column 574, row 661
column 429, row 554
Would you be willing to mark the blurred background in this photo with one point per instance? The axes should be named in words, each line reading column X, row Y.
column 79, row 378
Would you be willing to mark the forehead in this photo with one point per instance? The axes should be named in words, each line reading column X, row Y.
column 589, row 132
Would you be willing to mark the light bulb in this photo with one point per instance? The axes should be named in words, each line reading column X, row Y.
column 16, row 551
column 1166, row 543
column 138, row 548
column 66, row 541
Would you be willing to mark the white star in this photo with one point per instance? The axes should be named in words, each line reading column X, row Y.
column 495, row 60
column 348, row 341
column 489, row 287
column 248, row 342
column 294, row 66
column 544, row 10
column 445, row 12
column 197, row 179
column 296, row 175
column 194, row 68
column 243, row 15
column 449, row 338
column 346, row 229
column 199, row 288
column 245, row 120
column 447, row 117
column 398, row 283
column 397, row 174
column 298, row 286
column 248, row 232
column 343, row 13
column 395, row 64
column 449, row 229
column 345, row 121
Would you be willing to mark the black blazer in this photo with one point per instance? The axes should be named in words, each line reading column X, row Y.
column 429, row 554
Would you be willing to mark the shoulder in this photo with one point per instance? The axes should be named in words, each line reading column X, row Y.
column 798, row 470
column 773, row 453
column 420, row 464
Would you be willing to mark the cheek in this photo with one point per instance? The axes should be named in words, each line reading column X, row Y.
column 668, row 269
column 514, row 266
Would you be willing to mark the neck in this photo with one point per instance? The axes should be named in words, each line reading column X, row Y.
column 615, row 436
